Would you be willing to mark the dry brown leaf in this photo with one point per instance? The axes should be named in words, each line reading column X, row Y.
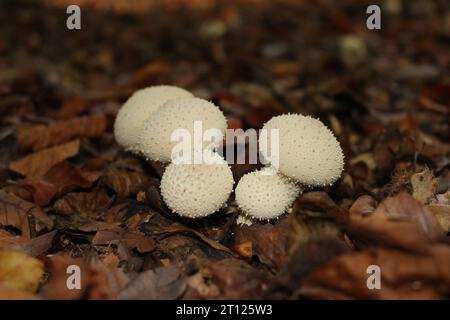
column 37, row 164
column 83, row 203
column 126, row 178
column 94, row 282
column 404, row 207
column 20, row 271
column 33, row 247
column 39, row 137
column 179, row 228
column 442, row 214
column 131, row 239
column 269, row 242
column 24, row 215
column 160, row 283
column 7, row 293
column 60, row 179
column 424, row 186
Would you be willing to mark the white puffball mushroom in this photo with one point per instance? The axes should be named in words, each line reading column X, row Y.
column 197, row 190
column 155, row 139
column 264, row 194
column 308, row 151
column 142, row 103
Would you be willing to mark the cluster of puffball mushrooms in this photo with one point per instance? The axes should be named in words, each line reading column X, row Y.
column 309, row 155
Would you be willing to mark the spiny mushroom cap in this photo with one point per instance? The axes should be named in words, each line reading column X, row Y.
column 155, row 140
column 141, row 104
column 264, row 194
column 197, row 190
column 308, row 151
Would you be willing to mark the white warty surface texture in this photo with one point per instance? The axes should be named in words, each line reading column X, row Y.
column 155, row 141
column 309, row 152
column 265, row 197
column 196, row 190
column 144, row 102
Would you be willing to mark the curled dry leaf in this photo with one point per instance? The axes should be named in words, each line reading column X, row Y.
column 403, row 275
column 94, row 282
column 160, row 283
column 268, row 242
column 83, row 203
column 404, row 207
column 442, row 214
column 24, row 215
column 39, row 137
column 126, row 178
column 20, row 271
column 131, row 239
column 179, row 228
column 37, row 164
column 234, row 279
column 424, row 186
column 33, row 247
column 60, row 179
column 7, row 293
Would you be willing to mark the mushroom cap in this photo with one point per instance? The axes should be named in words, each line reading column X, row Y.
column 155, row 139
column 308, row 151
column 197, row 190
column 264, row 194
column 140, row 106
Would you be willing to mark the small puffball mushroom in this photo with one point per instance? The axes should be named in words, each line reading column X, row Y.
column 308, row 151
column 141, row 104
column 197, row 190
column 264, row 194
column 155, row 140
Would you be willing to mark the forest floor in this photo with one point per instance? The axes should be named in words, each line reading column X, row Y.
column 70, row 195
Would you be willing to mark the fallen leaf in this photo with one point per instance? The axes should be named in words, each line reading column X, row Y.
column 403, row 275
column 33, row 247
column 142, row 243
column 126, row 180
column 39, row 137
column 442, row 214
column 20, row 271
column 7, row 293
column 268, row 242
column 179, row 228
column 83, row 203
column 162, row 283
column 424, row 186
column 37, row 164
column 24, row 215
column 94, row 282
column 60, row 179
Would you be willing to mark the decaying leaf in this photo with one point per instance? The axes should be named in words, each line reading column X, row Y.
column 93, row 281
column 37, row 164
column 20, row 271
column 442, row 214
column 39, row 137
column 33, row 247
column 24, row 215
column 127, row 177
column 269, row 242
column 403, row 275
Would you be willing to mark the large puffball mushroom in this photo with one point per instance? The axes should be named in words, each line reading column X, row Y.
column 155, row 141
column 264, row 194
column 197, row 190
column 141, row 104
column 308, row 151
